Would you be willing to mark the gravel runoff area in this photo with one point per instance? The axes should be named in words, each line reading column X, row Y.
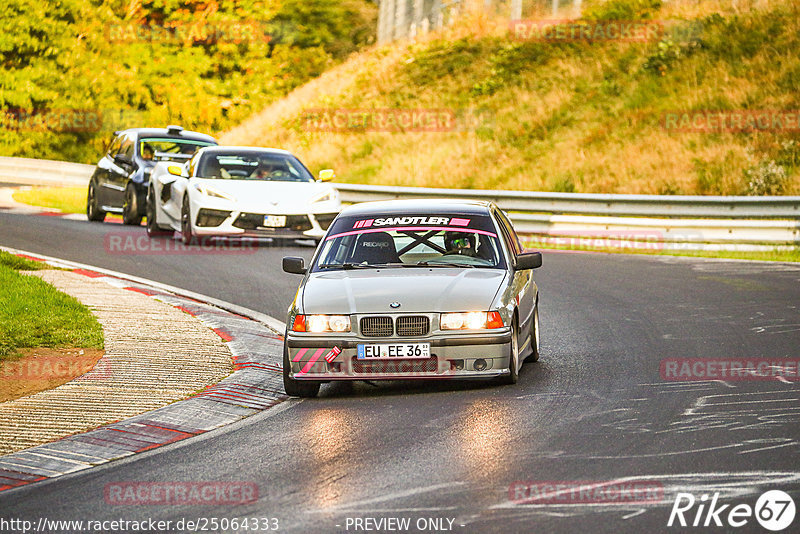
column 155, row 354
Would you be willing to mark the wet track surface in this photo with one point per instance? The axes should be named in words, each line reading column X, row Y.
column 594, row 408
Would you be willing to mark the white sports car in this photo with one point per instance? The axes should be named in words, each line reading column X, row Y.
column 240, row 192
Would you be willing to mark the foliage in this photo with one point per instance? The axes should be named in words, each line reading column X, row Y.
column 766, row 178
column 203, row 64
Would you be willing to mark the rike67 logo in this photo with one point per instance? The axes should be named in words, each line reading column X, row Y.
column 774, row 510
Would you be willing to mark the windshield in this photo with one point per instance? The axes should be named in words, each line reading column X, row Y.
column 161, row 149
column 265, row 166
column 411, row 241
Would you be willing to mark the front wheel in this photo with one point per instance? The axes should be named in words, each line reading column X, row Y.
column 513, row 361
column 186, row 222
column 153, row 229
column 130, row 209
column 296, row 388
column 534, row 355
column 93, row 211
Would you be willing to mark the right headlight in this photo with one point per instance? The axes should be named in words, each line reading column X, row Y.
column 471, row 321
column 212, row 192
column 325, row 196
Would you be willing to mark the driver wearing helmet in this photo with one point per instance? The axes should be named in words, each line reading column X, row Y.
column 147, row 152
column 462, row 243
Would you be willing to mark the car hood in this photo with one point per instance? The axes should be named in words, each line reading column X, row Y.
column 258, row 196
column 418, row 290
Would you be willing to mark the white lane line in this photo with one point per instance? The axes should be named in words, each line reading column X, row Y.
column 634, row 514
column 768, row 448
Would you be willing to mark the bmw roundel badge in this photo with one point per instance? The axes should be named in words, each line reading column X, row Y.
column 395, row 305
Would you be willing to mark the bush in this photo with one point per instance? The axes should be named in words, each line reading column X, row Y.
column 623, row 10
column 766, row 178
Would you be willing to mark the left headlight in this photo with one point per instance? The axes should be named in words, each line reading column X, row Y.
column 325, row 196
column 471, row 321
column 318, row 324
column 212, row 192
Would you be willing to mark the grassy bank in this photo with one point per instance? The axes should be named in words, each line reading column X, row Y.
column 64, row 199
column 583, row 116
column 35, row 314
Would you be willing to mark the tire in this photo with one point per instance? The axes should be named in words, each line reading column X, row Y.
column 297, row 388
column 186, row 222
column 513, row 363
column 153, row 228
column 130, row 208
column 534, row 355
column 93, row 211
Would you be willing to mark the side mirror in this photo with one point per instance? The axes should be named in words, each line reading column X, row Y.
column 327, row 175
column 529, row 260
column 175, row 170
column 294, row 265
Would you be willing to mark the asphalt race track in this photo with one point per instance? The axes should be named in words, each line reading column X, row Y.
column 594, row 408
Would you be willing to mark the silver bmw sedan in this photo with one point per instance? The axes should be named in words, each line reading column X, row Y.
column 413, row 289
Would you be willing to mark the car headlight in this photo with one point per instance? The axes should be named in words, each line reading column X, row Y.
column 318, row 324
column 211, row 192
column 471, row 321
column 325, row 196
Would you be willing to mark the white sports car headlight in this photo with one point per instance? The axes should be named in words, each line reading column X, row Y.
column 212, row 192
column 325, row 196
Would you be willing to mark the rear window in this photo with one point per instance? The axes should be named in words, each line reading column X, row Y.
column 167, row 149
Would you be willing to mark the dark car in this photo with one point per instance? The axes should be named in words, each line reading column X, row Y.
column 119, row 183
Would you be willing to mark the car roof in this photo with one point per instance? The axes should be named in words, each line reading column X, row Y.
column 165, row 133
column 426, row 206
column 245, row 149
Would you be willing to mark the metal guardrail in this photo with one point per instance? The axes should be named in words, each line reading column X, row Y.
column 595, row 204
column 43, row 172
column 569, row 219
column 625, row 221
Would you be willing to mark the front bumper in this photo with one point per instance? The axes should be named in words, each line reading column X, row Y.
column 452, row 357
column 243, row 224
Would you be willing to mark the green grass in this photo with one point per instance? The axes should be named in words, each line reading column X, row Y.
column 34, row 314
column 64, row 199
column 20, row 264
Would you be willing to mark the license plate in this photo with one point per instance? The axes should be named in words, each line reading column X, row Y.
column 394, row 351
column 275, row 221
